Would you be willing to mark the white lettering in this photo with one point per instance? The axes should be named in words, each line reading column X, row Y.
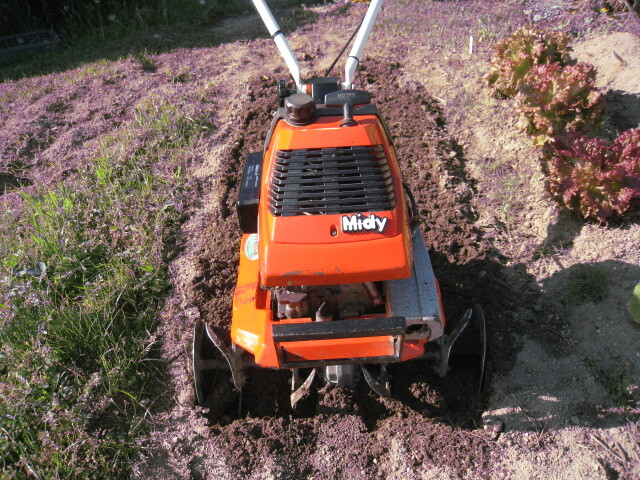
column 349, row 224
column 358, row 223
column 382, row 222
column 369, row 223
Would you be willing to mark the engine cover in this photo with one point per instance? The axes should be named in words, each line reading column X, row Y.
column 332, row 209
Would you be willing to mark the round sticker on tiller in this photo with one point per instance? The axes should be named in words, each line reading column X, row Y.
column 251, row 247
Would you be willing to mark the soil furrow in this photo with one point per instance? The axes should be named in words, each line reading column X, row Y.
column 339, row 433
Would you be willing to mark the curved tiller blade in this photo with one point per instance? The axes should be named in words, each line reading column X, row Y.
column 445, row 351
column 381, row 387
column 299, row 391
column 473, row 321
column 207, row 348
column 482, row 330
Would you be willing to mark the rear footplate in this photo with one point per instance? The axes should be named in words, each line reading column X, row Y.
column 311, row 344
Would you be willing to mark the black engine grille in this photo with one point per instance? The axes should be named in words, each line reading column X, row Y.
column 323, row 181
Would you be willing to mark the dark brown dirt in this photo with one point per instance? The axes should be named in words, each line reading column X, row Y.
column 358, row 424
column 218, row 260
column 434, row 165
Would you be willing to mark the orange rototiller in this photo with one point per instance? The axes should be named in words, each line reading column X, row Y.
column 335, row 279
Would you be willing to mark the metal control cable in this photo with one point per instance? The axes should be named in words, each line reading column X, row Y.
column 328, row 72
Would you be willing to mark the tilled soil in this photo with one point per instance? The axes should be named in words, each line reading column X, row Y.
column 339, row 433
column 448, row 131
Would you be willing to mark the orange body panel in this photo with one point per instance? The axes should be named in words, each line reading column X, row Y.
column 312, row 249
column 252, row 324
column 252, row 314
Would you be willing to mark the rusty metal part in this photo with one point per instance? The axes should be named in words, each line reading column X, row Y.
column 344, row 375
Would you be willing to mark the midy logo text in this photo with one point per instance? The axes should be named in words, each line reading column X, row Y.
column 361, row 223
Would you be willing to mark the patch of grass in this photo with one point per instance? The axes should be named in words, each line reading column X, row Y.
column 100, row 69
column 587, row 283
column 508, row 187
column 509, row 196
column 618, row 386
column 168, row 126
column 487, row 29
column 82, row 279
column 147, row 64
column 552, row 249
column 297, row 17
column 616, row 383
column 181, row 76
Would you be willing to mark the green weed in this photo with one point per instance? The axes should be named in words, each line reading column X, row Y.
column 509, row 196
column 181, row 76
column 616, row 383
column 552, row 249
column 487, row 29
column 82, row 280
column 508, row 185
column 147, row 64
column 587, row 283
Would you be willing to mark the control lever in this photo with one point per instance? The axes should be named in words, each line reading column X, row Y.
column 347, row 99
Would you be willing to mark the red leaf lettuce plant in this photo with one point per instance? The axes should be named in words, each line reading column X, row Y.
column 596, row 179
column 515, row 55
column 554, row 99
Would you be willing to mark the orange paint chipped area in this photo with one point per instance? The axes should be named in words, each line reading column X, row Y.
column 242, row 289
column 243, row 300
